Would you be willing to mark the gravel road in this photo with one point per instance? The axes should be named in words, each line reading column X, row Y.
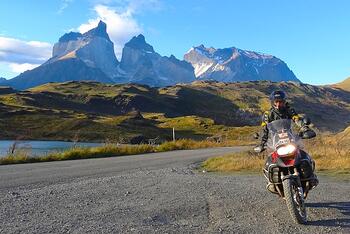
column 156, row 193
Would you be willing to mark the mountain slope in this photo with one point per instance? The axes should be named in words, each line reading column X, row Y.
column 345, row 85
column 343, row 138
column 59, row 71
column 232, row 64
column 98, row 111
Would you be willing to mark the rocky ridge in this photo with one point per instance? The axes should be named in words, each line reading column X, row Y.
column 233, row 64
column 90, row 56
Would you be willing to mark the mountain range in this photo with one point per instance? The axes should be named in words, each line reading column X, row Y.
column 90, row 56
column 233, row 64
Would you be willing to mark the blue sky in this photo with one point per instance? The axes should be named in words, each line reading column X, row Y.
column 311, row 36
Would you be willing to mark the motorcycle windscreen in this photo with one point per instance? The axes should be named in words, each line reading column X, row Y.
column 281, row 133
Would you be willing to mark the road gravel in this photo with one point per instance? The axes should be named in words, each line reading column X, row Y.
column 157, row 193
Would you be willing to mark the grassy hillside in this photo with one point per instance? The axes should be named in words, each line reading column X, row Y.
column 90, row 111
column 342, row 138
column 345, row 85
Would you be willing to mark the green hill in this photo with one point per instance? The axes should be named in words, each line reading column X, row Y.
column 93, row 111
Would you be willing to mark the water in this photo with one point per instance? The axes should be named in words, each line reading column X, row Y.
column 37, row 148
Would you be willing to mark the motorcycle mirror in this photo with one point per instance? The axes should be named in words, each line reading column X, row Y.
column 308, row 134
column 256, row 135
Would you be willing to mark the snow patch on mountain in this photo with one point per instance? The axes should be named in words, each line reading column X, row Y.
column 201, row 68
column 233, row 64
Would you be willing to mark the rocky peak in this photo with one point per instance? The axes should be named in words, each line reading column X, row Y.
column 200, row 47
column 204, row 50
column 181, row 63
column 136, row 53
column 93, row 48
column 142, row 65
column 99, row 31
column 139, row 43
column 71, row 36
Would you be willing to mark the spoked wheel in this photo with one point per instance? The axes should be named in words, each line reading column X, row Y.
column 294, row 196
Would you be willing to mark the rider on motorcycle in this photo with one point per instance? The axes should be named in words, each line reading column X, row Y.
column 280, row 109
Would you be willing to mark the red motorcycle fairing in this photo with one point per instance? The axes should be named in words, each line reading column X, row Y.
column 274, row 166
column 286, row 161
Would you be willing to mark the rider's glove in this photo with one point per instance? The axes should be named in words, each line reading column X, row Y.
column 304, row 128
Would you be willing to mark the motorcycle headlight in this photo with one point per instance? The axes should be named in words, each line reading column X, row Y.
column 286, row 150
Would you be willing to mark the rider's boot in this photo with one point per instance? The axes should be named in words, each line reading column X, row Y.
column 308, row 170
column 314, row 181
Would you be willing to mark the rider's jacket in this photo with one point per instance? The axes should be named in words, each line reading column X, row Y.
column 275, row 114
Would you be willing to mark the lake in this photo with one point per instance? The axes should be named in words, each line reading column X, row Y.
column 37, row 148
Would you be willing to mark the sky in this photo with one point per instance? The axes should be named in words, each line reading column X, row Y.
column 311, row 36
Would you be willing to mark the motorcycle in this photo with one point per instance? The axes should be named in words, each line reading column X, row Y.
column 289, row 169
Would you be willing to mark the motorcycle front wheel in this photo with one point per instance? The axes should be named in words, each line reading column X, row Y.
column 295, row 200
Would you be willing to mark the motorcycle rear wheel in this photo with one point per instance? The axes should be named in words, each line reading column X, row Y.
column 295, row 200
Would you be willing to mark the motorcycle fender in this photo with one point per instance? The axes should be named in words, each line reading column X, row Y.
column 292, row 177
column 280, row 163
column 287, row 177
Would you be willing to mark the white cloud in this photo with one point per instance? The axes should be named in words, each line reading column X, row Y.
column 18, row 56
column 19, row 68
column 10, row 70
column 17, row 51
column 120, row 19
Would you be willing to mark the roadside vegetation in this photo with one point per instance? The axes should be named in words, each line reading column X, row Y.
column 331, row 154
column 107, row 150
column 237, row 162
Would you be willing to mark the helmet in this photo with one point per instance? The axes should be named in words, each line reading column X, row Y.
column 278, row 95
column 278, row 99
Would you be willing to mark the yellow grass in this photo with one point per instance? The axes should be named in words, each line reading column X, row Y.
column 345, row 84
column 243, row 161
column 184, row 144
column 107, row 150
column 329, row 154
